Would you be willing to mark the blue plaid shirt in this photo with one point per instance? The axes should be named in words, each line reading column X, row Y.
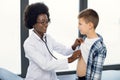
column 96, row 59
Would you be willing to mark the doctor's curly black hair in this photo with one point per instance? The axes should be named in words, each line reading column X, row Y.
column 32, row 11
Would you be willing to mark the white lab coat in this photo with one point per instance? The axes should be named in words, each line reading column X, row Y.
column 42, row 65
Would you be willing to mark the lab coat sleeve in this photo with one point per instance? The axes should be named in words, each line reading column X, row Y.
column 33, row 55
column 60, row 48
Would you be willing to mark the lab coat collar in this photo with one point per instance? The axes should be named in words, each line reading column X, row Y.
column 37, row 37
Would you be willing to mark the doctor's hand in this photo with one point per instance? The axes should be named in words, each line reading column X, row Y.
column 74, row 56
column 77, row 42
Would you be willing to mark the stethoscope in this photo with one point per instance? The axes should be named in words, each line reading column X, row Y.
column 48, row 48
column 45, row 41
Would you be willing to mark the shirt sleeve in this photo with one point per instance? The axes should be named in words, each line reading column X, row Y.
column 97, row 65
column 40, row 60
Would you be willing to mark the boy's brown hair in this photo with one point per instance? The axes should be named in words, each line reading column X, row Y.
column 89, row 15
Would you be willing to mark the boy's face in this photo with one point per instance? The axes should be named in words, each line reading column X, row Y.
column 83, row 26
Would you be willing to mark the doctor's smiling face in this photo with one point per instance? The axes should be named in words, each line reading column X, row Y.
column 41, row 24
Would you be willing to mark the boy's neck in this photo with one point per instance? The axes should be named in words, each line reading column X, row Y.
column 92, row 35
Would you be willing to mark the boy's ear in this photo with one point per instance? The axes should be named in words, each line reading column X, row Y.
column 91, row 25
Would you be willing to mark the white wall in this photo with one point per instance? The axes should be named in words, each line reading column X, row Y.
column 10, row 57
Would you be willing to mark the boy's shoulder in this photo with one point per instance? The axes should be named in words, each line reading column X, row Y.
column 99, row 43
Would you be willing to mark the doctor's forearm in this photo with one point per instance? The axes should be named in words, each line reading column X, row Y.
column 74, row 56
